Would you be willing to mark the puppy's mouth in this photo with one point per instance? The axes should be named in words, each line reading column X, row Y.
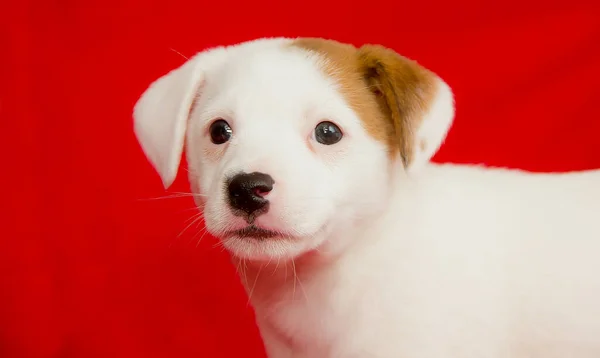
column 254, row 232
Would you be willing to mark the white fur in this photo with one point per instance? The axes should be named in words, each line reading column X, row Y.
column 448, row 261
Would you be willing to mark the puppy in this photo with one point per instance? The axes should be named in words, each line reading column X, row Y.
column 311, row 161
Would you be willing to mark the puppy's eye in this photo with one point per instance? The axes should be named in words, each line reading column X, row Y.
column 328, row 133
column 220, row 131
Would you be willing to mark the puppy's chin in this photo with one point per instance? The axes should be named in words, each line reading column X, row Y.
column 250, row 245
column 267, row 249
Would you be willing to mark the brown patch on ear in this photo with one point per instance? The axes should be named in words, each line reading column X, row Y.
column 390, row 93
column 404, row 92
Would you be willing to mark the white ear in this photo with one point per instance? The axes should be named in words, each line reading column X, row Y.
column 435, row 124
column 160, row 117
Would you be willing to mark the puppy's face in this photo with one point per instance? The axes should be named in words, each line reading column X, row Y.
column 292, row 144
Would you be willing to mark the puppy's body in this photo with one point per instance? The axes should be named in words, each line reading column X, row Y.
column 311, row 161
column 466, row 262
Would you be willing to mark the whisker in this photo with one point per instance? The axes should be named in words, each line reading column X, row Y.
column 302, row 288
column 218, row 244
column 276, row 266
column 195, row 219
column 205, row 231
column 195, row 208
column 238, row 268
column 245, row 272
column 187, row 195
column 174, row 195
column 163, row 197
column 295, row 277
column 179, row 53
column 254, row 285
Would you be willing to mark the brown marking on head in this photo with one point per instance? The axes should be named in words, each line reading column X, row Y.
column 390, row 93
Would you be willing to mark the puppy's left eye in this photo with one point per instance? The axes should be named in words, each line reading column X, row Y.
column 328, row 133
column 220, row 131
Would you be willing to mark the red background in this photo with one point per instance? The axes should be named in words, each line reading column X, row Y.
column 90, row 269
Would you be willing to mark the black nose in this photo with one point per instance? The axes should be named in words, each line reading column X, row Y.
column 247, row 191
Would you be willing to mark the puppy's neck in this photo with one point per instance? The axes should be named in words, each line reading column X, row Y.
column 279, row 271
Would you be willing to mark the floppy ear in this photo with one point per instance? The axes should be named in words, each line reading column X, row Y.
column 419, row 104
column 160, row 117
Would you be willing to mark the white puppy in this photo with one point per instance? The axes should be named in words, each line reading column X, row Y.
column 312, row 162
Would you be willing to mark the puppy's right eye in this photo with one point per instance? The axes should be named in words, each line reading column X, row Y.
column 328, row 133
column 220, row 131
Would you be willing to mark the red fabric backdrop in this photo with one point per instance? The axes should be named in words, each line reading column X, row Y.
column 88, row 268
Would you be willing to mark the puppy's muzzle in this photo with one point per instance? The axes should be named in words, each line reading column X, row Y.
column 246, row 194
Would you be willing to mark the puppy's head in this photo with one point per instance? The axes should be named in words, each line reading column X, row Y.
column 292, row 143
